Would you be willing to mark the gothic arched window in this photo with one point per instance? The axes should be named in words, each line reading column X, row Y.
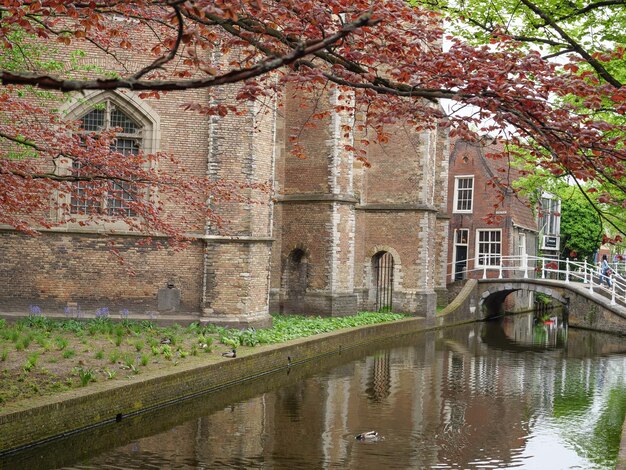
column 104, row 116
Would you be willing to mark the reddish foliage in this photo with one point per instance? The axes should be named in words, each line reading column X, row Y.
column 384, row 58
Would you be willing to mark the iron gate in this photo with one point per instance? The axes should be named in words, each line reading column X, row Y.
column 384, row 282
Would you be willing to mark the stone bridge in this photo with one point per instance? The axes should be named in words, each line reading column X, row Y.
column 585, row 308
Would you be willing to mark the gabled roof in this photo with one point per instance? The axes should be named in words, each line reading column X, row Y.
column 491, row 157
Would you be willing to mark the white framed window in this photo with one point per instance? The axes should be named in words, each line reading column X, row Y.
column 462, row 236
column 521, row 244
column 463, row 194
column 550, row 216
column 488, row 247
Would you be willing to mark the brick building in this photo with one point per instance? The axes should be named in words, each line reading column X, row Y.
column 474, row 242
column 337, row 238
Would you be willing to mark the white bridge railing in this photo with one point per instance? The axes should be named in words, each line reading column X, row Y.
column 524, row 267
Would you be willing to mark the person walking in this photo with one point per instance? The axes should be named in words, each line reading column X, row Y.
column 605, row 271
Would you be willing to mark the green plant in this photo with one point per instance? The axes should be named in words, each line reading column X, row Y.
column 139, row 344
column 27, row 339
column 166, row 350
column 36, row 321
column 145, row 359
column 72, row 326
column 68, row 353
column 230, row 340
column 110, row 374
column 114, row 356
column 43, row 341
column 31, row 362
column 86, row 376
column 100, row 325
column 99, row 354
column 61, row 342
column 4, row 355
column 128, row 359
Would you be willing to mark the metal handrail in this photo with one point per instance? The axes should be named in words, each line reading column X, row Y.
column 565, row 270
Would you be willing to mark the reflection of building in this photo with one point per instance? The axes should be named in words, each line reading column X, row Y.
column 476, row 243
column 457, row 398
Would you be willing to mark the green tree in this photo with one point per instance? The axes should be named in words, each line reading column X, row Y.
column 589, row 38
column 581, row 227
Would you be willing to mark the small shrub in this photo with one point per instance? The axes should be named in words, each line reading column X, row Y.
column 26, row 340
column 100, row 354
column 86, row 376
column 119, row 330
column 37, row 320
column 118, row 340
column 155, row 350
column 43, row 341
column 129, row 360
column 68, row 353
column 72, row 326
column 4, row 355
column 31, row 362
column 166, row 350
column 145, row 359
column 61, row 342
column 114, row 356
column 139, row 344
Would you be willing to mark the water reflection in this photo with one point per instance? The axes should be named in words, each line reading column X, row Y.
column 480, row 396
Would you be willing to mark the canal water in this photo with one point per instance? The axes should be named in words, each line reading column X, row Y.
column 508, row 394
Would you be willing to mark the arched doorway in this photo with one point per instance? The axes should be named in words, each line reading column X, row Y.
column 383, row 280
column 295, row 281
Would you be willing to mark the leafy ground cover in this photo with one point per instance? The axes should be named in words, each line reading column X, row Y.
column 40, row 356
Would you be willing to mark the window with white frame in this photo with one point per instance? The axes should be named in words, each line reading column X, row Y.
column 521, row 244
column 551, row 215
column 119, row 197
column 488, row 247
column 463, row 193
column 462, row 236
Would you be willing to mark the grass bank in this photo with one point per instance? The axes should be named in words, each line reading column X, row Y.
column 40, row 356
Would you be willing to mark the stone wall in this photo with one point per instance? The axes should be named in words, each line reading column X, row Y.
column 57, row 270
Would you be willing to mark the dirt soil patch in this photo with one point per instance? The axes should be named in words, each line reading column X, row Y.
column 41, row 357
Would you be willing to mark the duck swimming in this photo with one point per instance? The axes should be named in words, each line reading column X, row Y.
column 367, row 436
column 231, row 353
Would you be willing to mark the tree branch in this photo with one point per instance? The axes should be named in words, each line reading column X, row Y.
column 54, row 83
column 597, row 66
column 158, row 63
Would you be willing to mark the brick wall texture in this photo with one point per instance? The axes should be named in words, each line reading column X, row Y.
column 516, row 220
column 310, row 247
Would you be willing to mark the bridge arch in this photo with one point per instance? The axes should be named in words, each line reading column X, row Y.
column 492, row 297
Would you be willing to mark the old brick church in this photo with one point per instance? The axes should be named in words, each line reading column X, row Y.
column 335, row 239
